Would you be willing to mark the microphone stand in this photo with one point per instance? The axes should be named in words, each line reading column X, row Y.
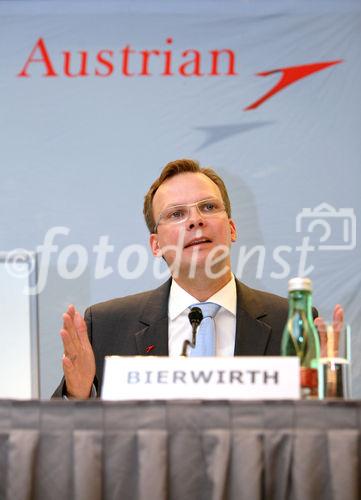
column 195, row 317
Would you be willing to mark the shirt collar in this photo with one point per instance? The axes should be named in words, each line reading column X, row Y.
column 180, row 299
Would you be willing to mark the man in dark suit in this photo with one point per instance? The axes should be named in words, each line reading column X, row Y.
column 188, row 213
column 138, row 325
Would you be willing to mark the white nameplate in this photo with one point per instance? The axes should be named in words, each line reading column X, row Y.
column 140, row 378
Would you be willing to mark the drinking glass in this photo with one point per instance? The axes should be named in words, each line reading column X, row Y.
column 334, row 369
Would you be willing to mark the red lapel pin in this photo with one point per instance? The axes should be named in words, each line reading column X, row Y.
column 149, row 348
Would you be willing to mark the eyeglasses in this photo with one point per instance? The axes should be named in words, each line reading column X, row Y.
column 177, row 214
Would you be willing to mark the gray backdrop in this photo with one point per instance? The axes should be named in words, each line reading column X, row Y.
column 80, row 152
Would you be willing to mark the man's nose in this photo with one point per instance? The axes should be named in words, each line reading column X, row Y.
column 195, row 218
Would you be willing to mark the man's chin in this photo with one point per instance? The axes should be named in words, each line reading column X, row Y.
column 194, row 270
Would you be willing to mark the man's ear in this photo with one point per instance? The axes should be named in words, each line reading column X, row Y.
column 154, row 245
column 233, row 230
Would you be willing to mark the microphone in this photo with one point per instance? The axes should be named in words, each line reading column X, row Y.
column 195, row 317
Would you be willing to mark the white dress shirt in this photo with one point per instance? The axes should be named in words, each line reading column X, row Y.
column 179, row 327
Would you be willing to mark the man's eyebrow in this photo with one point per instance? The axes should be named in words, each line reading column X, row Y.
column 172, row 205
column 181, row 204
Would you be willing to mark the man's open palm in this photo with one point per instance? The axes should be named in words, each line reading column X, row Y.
column 78, row 358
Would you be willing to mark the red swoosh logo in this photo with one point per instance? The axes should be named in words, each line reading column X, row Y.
column 289, row 76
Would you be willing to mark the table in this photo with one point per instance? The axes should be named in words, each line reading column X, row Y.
column 220, row 450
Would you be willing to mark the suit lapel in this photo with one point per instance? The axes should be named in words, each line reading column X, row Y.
column 152, row 339
column 252, row 334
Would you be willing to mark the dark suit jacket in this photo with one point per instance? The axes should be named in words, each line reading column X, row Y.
column 128, row 325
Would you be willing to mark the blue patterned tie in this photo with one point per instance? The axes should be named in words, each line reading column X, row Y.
column 206, row 335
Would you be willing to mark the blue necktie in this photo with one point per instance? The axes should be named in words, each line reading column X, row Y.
column 206, row 335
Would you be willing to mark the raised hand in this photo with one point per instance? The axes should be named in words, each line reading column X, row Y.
column 78, row 357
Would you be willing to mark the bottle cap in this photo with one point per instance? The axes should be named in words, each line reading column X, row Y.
column 300, row 284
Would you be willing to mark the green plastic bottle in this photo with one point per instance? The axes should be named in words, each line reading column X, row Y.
column 300, row 337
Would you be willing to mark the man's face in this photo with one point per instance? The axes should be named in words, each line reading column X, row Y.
column 197, row 239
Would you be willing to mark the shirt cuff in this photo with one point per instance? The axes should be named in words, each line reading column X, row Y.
column 93, row 394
